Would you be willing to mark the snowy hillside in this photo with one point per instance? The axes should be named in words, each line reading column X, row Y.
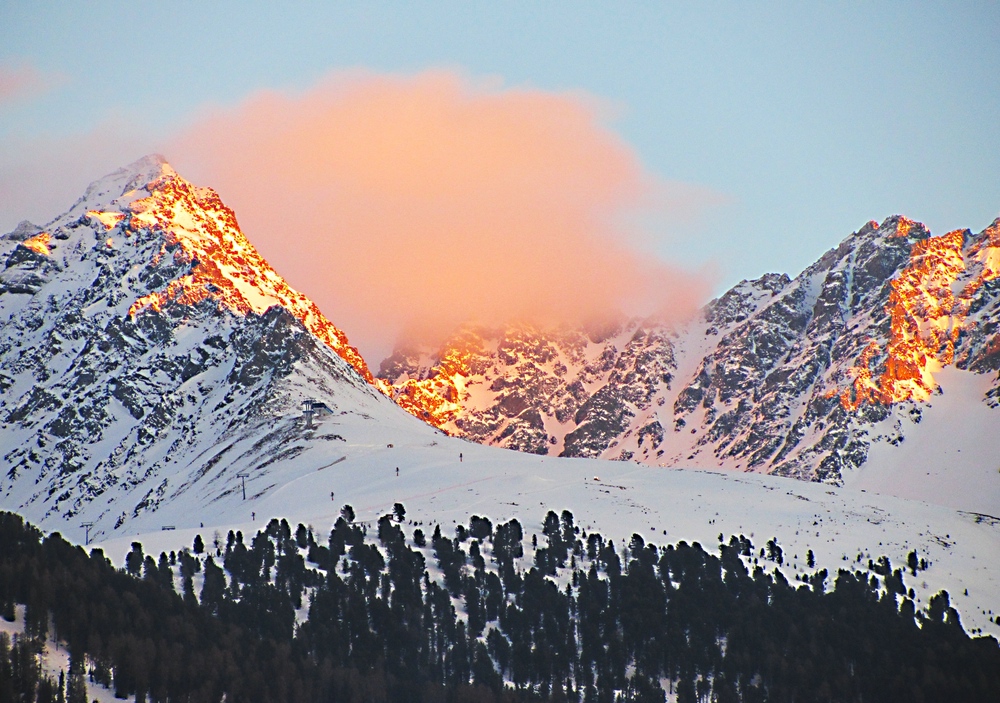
column 615, row 498
column 825, row 377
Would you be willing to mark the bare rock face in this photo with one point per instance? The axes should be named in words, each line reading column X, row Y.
column 795, row 377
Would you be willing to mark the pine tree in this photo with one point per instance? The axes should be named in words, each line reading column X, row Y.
column 134, row 559
column 165, row 573
column 214, row 588
column 76, row 687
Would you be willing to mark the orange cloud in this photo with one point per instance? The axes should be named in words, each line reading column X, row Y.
column 21, row 82
column 419, row 203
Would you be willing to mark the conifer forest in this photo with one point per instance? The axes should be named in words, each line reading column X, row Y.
column 399, row 611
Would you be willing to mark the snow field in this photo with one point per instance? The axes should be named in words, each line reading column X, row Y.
column 662, row 505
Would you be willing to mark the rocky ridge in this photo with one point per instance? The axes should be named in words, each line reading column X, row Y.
column 796, row 377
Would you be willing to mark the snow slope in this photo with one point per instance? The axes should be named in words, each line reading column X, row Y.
column 951, row 458
column 663, row 505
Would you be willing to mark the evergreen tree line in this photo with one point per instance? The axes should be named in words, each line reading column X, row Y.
column 584, row 621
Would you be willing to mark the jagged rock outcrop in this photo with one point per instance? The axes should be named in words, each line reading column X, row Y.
column 561, row 391
column 789, row 376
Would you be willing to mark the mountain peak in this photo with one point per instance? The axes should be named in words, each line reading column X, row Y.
column 199, row 234
column 150, row 166
column 185, row 242
column 142, row 336
column 782, row 375
column 24, row 230
column 136, row 175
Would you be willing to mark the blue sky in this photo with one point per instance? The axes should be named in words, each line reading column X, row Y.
column 809, row 119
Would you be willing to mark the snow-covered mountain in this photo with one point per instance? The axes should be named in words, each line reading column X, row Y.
column 148, row 354
column 810, row 378
column 156, row 373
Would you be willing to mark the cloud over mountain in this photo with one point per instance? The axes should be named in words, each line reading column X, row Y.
column 415, row 203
